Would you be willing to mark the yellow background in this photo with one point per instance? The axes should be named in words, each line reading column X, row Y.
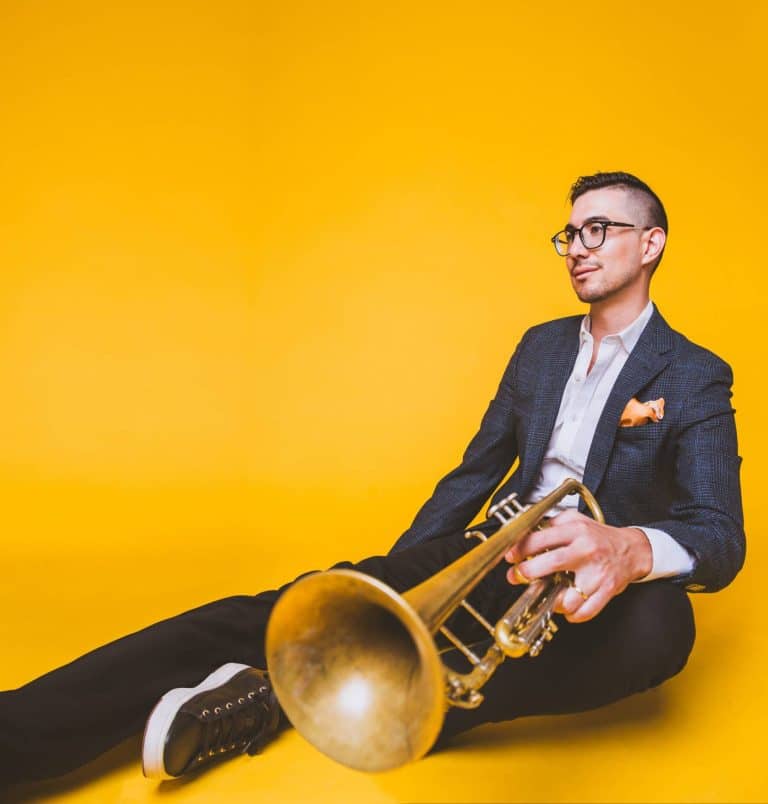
column 262, row 266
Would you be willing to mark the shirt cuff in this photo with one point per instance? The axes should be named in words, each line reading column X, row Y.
column 669, row 557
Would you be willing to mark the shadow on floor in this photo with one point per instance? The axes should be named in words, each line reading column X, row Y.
column 645, row 709
column 125, row 754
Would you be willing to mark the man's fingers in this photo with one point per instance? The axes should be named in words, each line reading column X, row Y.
column 540, row 565
column 590, row 607
column 537, row 541
column 571, row 600
column 517, row 575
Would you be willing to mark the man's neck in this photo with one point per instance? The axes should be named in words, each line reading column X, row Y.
column 613, row 315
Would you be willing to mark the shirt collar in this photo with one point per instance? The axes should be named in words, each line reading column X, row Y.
column 629, row 336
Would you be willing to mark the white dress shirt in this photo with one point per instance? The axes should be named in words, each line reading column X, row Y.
column 584, row 398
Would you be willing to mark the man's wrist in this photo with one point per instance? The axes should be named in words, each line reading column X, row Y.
column 640, row 553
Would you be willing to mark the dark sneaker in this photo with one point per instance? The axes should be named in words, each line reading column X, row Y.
column 232, row 711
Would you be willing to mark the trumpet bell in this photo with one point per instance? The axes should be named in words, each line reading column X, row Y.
column 356, row 670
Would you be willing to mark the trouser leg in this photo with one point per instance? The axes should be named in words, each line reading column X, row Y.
column 71, row 715
column 641, row 638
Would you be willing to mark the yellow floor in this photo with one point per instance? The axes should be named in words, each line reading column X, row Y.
column 263, row 265
column 697, row 739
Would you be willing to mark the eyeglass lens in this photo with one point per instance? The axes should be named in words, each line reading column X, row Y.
column 592, row 236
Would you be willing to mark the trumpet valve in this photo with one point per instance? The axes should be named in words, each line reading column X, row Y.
column 536, row 647
column 552, row 628
column 506, row 509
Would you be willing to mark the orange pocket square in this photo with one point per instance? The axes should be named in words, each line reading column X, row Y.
column 636, row 413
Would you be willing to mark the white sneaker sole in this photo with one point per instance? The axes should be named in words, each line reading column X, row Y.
column 166, row 709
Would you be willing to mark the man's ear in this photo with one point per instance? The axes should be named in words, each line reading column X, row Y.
column 655, row 240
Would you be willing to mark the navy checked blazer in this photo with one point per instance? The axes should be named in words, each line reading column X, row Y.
column 680, row 474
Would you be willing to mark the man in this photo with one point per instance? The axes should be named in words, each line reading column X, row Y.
column 615, row 398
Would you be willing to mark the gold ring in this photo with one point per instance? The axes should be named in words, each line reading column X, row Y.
column 583, row 594
column 519, row 575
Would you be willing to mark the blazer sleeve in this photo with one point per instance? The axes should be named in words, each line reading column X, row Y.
column 461, row 493
column 706, row 512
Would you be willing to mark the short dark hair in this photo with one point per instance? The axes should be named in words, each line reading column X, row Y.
column 657, row 216
column 654, row 212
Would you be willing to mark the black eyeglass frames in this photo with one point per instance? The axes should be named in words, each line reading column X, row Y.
column 591, row 234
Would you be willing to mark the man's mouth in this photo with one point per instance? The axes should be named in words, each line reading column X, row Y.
column 583, row 270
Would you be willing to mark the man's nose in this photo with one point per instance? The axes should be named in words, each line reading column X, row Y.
column 577, row 248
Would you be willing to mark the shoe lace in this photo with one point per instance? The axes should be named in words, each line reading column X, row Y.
column 243, row 724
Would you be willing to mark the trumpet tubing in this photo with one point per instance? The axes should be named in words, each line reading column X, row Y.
column 355, row 666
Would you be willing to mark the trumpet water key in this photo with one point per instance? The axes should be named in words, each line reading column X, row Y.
column 354, row 663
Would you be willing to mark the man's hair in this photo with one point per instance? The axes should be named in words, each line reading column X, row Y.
column 647, row 201
column 654, row 209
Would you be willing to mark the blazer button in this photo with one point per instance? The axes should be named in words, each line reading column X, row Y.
column 695, row 587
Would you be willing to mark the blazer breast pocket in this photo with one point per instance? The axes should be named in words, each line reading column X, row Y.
column 642, row 445
column 642, row 432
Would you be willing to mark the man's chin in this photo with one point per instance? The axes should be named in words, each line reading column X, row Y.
column 590, row 296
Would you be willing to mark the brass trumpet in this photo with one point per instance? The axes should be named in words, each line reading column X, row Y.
column 355, row 666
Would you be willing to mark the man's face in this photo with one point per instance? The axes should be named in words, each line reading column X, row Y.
column 617, row 266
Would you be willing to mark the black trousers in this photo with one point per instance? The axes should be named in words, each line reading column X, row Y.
column 71, row 715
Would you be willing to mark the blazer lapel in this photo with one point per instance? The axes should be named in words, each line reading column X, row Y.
column 556, row 367
column 646, row 360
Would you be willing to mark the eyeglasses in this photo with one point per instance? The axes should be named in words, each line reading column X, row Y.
column 591, row 234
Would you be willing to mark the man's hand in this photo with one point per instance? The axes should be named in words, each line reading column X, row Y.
column 604, row 560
